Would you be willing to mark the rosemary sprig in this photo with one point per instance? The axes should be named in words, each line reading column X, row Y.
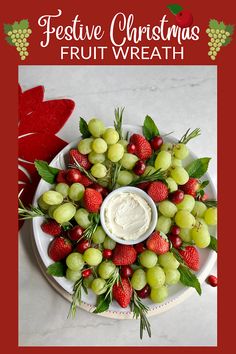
column 28, row 213
column 188, row 136
column 149, row 177
column 115, row 169
column 76, row 297
column 77, row 165
column 88, row 233
column 210, row 203
column 118, row 121
column 140, row 311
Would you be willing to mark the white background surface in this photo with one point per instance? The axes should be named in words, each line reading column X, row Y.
column 177, row 98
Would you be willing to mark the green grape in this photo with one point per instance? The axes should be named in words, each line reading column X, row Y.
column 20, row 31
column 200, row 222
column 99, row 235
column 85, row 146
column 214, row 53
column 92, row 256
column 64, row 213
column 26, row 44
column 180, row 151
column 176, row 162
column 13, row 40
column 88, row 281
column 155, row 277
column 26, row 53
column 210, row 216
column 222, row 40
column 29, row 30
column 111, row 136
column 201, row 236
column 215, row 36
column 217, row 49
column 167, row 147
column 99, row 145
column 26, row 35
column 163, row 224
column 82, row 218
column 18, row 48
column 220, row 36
column 179, row 174
column 168, row 261
column 227, row 34
column 208, row 30
column 51, row 210
column 163, row 161
column 167, row 208
column 24, row 30
column 172, row 185
column 109, row 243
column 148, row 259
column 96, row 158
column 185, row 235
column 73, row 275
column 224, row 36
column 124, row 143
column 43, row 206
column 159, row 295
column 24, row 40
column 212, row 57
column 17, row 35
column 128, row 161
column 52, row 198
column 63, row 189
column 187, row 203
column 98, row 170
column 75, row 261
column 209, row 53
column 115, row 152
column 184, row 219
column 98, row 286
column 14, row 31
column 217, row 31
column 76, row 191
column 212, row 40
column 21, row 53
column 9, row 33
column 22, row 36
column 172, row 276
column 210, row 35
column 96, row 127
column 124, row 178
column 149, row 170
column 217, row 40
column 138, row 279
column 106, row 269
column 212, row 30
column 21, row 45
column 209, row 44
column 199, row 209
column 219, row 45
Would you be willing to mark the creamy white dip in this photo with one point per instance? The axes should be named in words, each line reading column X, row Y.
column 127, row 215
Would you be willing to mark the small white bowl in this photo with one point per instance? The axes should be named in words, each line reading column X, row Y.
column 150, row 202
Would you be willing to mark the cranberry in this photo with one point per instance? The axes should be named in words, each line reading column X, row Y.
column 102, row 190
column 177, row 196
column 75, row 233
column 139, row 168
column 86, row 273
column 126, row 271
column 175, row 230
column 139, row 247
column 131, row 148
column 83, row 246
column 184, row 19
column 73, row 176
column 156, row 142
column 212, row 280
column 175, row 240
column 107, row 254
column 144, row 292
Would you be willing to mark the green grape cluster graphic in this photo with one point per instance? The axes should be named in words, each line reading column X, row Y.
column 17, row 35
column 219, row 35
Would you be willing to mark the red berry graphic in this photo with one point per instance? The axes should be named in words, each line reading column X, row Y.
column 184, row 19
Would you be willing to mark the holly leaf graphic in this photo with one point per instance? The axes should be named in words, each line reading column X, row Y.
column 24, row 24
column 15, row 25
column 227, row 41
column 9, row 41
column 7, row 28
column 230, row 29
column 213, row 24
column 221, row 26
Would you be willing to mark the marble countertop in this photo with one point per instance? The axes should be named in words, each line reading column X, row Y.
column 177, row 97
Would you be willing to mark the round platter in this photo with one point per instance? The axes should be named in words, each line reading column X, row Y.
column 177, row 293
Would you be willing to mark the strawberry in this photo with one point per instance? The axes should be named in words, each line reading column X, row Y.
column 158, row 243
column 142, row 147
column 158, row 191
column 59, row 248
column 191, row 187
column 123, row 255
column 51, row 227
column 191, row 257
column 61, row 176
column 85, row 181
column 80, row 158
column 92, row 200
column 122, row 292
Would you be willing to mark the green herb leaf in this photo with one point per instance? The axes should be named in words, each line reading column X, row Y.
column 204, row 184
column 189, row 279
column 175, row 8
column 57, row 269
column 213, row 24
column 149, row 128
column 24, row 24
column 210, row 203
column 47, row 172
column 213, row 244
column 198, row 167
column 190, row 135
column 151, row 161
column 119, row 121
column 83, row 127
column 103, row 303
column 7, row 28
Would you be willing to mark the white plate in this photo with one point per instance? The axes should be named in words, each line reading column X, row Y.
column 177, row 293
